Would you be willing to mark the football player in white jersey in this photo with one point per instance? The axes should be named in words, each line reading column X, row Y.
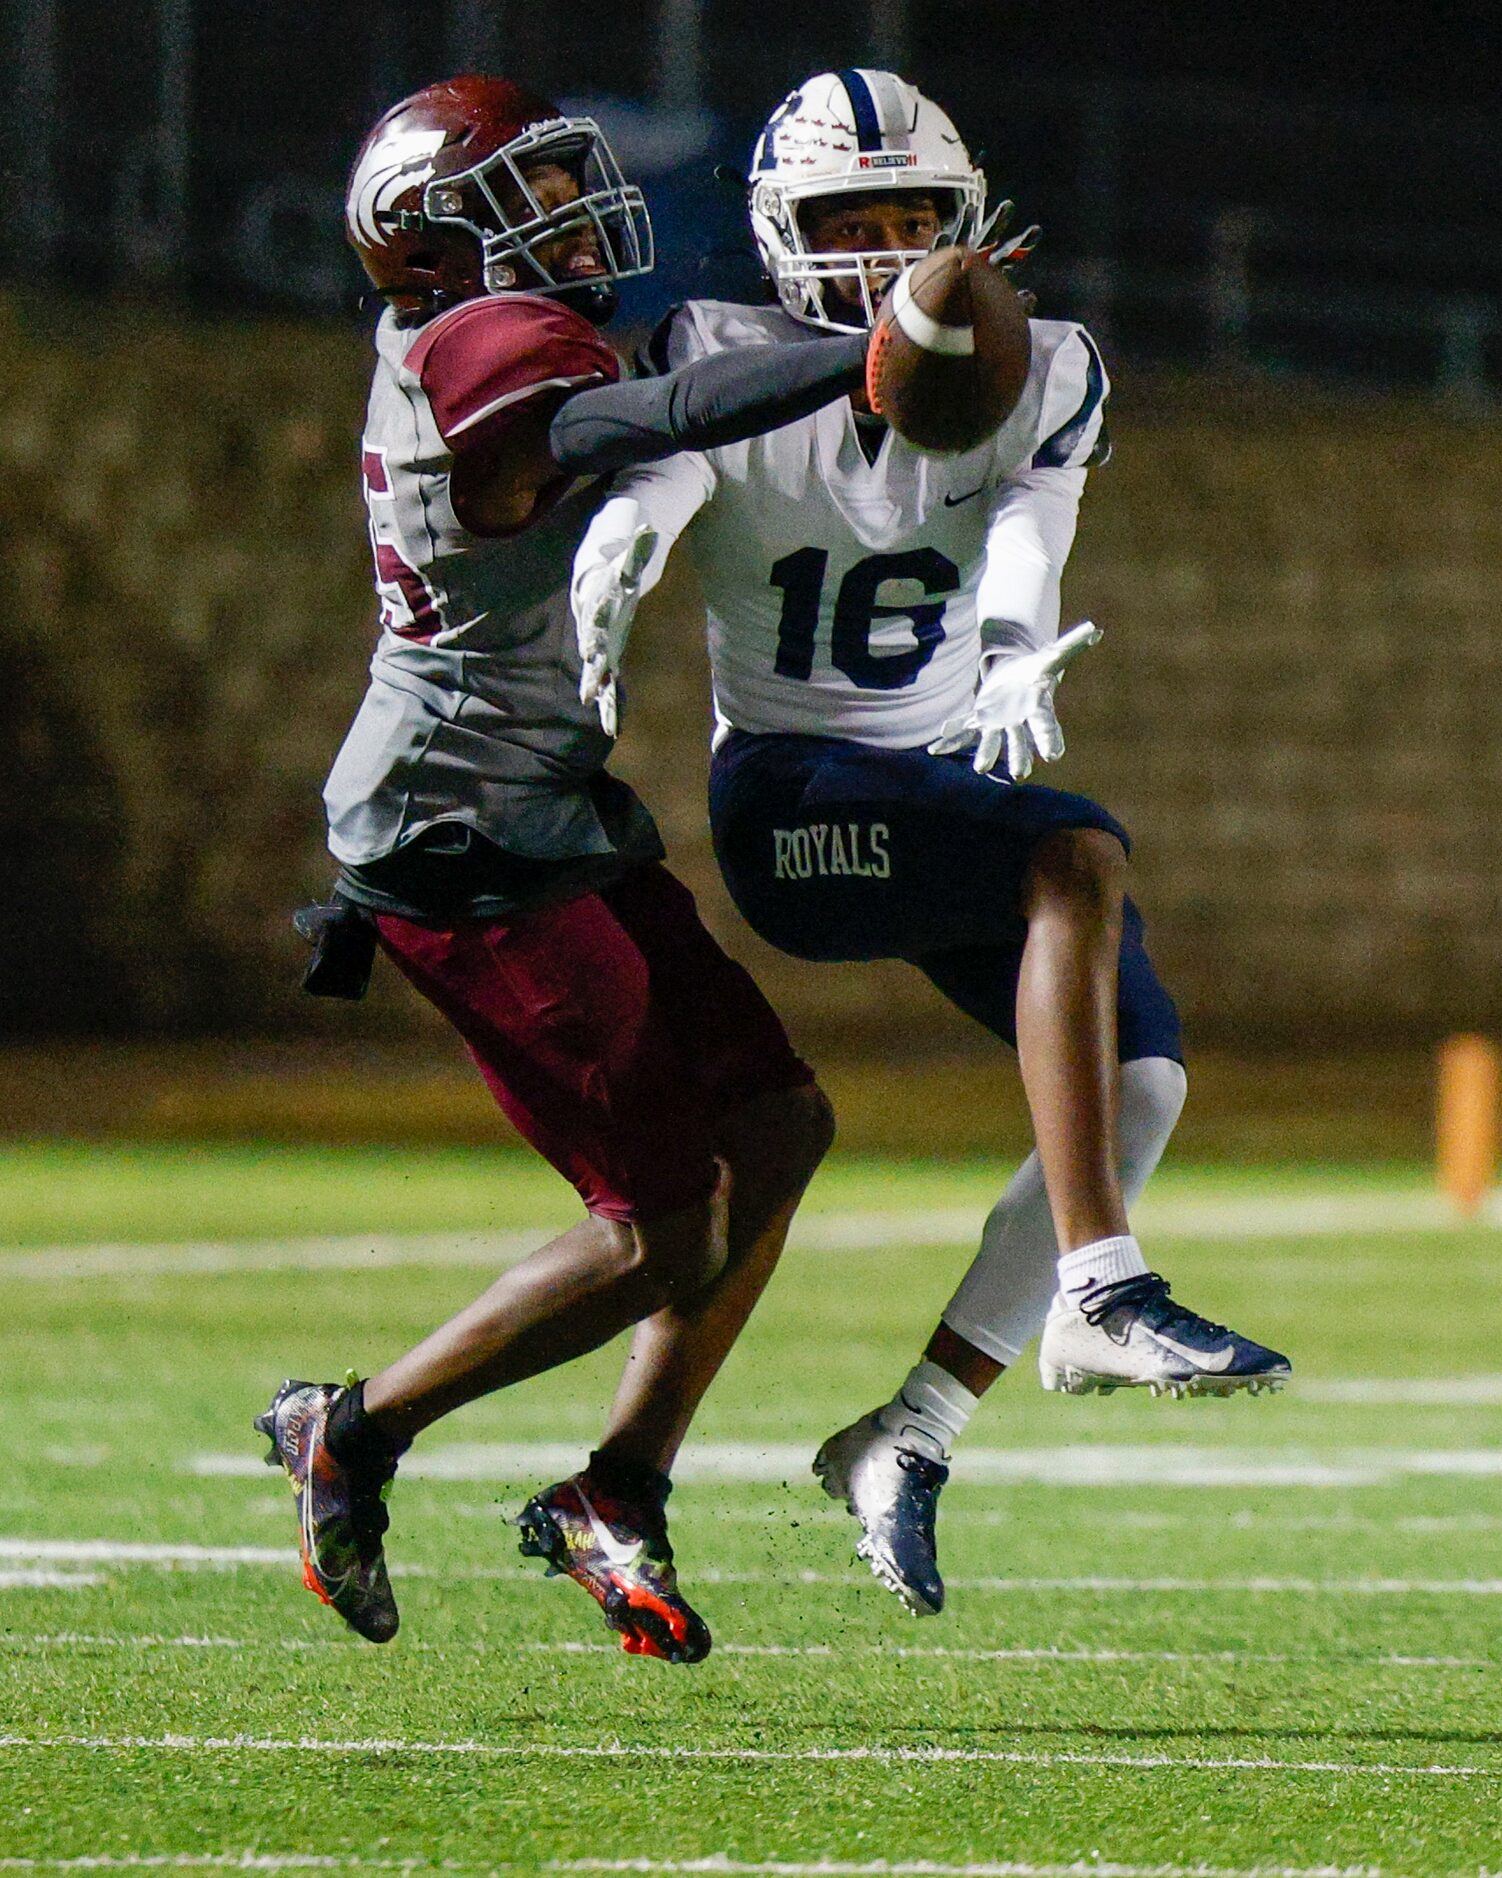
column 485, row 849
column 884, row 631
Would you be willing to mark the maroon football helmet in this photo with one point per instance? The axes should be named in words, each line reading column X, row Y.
column 440, row 208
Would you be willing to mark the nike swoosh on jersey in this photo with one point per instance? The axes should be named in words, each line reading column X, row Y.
column 953, row 502
column 619, row 1555
column 1214, row 1362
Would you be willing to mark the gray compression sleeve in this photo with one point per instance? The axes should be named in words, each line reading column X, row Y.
column 714, row 401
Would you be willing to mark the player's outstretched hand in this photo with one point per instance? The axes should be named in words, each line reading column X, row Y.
column 605, row 592
column 1014, row 709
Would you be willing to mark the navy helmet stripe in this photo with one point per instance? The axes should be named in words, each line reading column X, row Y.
column 867, row 118
column 1056, row 450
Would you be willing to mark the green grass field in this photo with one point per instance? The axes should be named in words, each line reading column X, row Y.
column 1225, row 1637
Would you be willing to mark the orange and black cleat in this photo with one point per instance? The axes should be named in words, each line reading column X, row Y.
column 341, row 1514
column 618, row 1549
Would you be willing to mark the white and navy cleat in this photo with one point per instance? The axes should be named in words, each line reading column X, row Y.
column 1132, row 1335
column 894, row 1493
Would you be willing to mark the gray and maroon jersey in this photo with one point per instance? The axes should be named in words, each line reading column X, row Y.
column 473, row 712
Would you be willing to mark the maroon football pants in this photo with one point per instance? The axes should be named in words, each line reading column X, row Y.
column 614, row 1032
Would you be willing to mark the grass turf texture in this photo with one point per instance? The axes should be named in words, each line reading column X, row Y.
column 1112, row 1754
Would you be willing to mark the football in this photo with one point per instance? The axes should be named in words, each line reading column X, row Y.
column 949, row 352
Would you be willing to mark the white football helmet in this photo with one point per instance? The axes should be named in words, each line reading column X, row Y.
column 843, row 131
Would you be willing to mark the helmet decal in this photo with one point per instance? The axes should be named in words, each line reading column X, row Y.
column 387, row 169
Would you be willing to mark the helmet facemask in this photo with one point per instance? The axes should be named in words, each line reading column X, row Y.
column 496, row 202
column 802, row 275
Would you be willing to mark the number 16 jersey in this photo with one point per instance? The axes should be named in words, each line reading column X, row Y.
column 845, row 589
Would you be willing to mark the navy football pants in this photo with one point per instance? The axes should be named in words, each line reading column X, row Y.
column 837, row 850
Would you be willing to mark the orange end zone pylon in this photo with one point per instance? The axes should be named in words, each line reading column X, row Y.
column 1470, row 1073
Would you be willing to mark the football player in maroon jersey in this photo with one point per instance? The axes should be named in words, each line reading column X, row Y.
column 486, row 850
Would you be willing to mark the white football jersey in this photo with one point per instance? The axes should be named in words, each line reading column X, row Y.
column 844, row 594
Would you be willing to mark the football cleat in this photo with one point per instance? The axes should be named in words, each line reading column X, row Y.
column 341, row 1511
column 1132, row 1335
column 894, row 1493
column 618, row 1551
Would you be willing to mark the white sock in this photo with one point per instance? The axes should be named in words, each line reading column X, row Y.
column 929, row 1412
column 1105, row 1262
column 1004, row 1297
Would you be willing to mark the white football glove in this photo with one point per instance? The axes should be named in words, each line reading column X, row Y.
column 604, row 595
column 1013, row 707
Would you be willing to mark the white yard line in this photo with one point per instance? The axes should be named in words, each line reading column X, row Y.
column 927, row 1868
column 880, row 1754
column 1201, row 1587
column 825, row 1652
column 1245, row 1519
column 1273, row 1216
column 938, row 1652
column 210, row 1258
column 715, row 1863
column 376, row 1252
column 191, row 1557
column 83, row 1639
column 1405, row 1391
column 256, row 1861
column 27, row 1579
column 1096, row 1464
column 1193, row 1587
column 133, row 1552
column 958, row 1511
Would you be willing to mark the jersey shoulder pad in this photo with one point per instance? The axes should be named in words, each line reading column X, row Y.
column 704, row 326
column 1071, row 420
column 665, row 349
column 478, row 362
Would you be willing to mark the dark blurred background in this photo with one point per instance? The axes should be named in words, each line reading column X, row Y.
column 1296, row 187
column 1283, row 224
